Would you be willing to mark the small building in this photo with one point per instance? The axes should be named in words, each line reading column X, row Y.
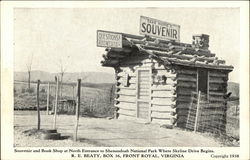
column 156, row 79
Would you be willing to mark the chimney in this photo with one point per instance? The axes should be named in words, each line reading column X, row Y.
column 201, row 41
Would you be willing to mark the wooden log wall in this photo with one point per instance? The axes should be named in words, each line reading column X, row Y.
column 186, row 84
column 163, row 95
column 170, row 101
column 217, row 103
column 125, row 95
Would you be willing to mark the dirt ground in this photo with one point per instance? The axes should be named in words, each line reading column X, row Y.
column 101, row 132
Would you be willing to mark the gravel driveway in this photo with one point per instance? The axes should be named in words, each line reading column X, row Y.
column 101, row 132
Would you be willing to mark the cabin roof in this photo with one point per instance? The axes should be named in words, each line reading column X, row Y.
column 166, row 52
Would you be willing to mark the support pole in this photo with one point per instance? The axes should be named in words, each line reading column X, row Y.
column 56, row 102
column 48, row 94
column 53, row 109
column 73, row 93
column 77, row 108
column 197, row 111
column 38, row 109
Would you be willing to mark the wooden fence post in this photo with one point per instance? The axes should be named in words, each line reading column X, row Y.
column 197, row 111
column 77, row 108
column 56, row 102
column 48, row 94
column 73, row 94
column 38, row 109
column 53, row 107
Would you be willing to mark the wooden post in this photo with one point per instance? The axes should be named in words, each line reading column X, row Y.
column 137, row 93
column 73, row 95
column 197, row 111
column 48, row 94
column 56, row 102
column 29, row 79
column 38, row 109
column 77, row 108
column 59, row 89
column 208, row 79
column 150, row 96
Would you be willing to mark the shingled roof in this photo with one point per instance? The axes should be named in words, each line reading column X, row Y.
column 167, row 52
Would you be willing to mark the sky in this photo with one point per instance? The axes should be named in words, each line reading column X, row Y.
column 68, row 35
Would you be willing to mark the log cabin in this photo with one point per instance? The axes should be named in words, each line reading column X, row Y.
column 155, row 79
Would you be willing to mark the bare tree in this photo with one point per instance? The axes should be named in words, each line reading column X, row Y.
column 63, row 69
column 82, row 75
column 29, row 68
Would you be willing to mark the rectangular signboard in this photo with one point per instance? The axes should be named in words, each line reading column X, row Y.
column 159, row 29
column 109, row 39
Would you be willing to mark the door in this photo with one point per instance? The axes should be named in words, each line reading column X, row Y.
column 143, row 93
column 203, row 81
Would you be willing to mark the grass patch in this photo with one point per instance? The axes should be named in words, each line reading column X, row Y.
column 225, row 139
column 96, row 99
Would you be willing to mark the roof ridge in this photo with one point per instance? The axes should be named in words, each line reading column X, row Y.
column 166, row 51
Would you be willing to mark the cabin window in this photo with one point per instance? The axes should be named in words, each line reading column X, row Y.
column 202, row 80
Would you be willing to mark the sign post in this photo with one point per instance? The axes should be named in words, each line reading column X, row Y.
column 38, row 108
column 159, row 29
column 109, row 39
column 48, row 94
column 77, row 108
column 56, row 101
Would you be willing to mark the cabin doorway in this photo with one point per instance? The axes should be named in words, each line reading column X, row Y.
column 143, row 93
column 202, row 81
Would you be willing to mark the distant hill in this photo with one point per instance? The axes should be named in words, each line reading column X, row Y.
column 92, row 77
column 87, row 77
column 234, row 88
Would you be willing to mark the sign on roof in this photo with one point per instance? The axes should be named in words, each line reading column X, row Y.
column 159, row 29
column 109, row 39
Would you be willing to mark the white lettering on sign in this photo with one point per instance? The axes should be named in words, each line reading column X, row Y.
column 109, row 39
column 159, row 29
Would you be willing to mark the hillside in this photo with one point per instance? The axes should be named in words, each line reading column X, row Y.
column 92, row 77
column 234, row 88
column 87, row 77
